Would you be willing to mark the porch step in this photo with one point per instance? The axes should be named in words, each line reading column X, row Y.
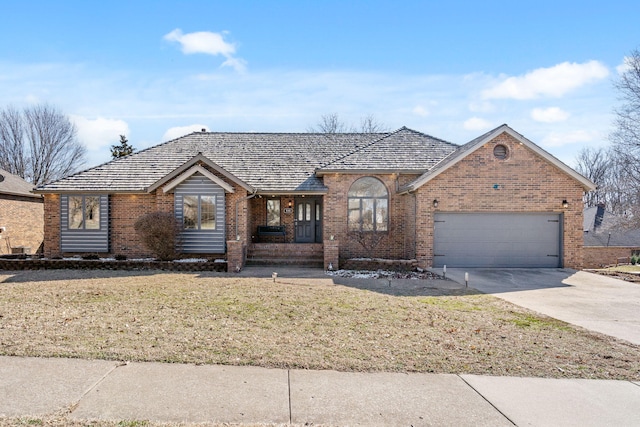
column 303, row 255
column 299, row 262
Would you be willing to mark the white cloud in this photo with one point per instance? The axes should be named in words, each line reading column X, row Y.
column 419, row 110
column 178, row 131
column 624, row 66
column 208, row 43
column 99, row 133
column 549, row 115
column 476, row 123
column 554, row 81
column 558, row 139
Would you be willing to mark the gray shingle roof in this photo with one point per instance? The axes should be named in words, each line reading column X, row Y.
column 404, row 149
column 266, row 161
column 603, row 228
column 15, row 186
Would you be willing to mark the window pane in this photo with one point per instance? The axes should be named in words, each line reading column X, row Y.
column 300, row 212
column 273, row 212
column 354, row 214
column 368, row 187
column 92, row 212
column 207, row 212
column 190, row 212
column 367, row 215
column 308, row 211
column 318, row 212
column 381, row 214
column 75, row 212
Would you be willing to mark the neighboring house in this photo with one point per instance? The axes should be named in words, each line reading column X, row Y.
column 499, row 200
column 607, row 238
column 21, row 215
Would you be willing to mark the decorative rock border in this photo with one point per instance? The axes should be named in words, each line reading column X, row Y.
column 82, row 264
column 374, row 264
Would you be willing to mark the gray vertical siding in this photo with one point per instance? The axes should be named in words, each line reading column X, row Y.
column 202, row 241
column 84, row 240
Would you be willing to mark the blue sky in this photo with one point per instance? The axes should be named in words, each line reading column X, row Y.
column 154, row 70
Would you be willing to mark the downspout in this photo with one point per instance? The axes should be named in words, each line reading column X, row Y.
column 244, row 199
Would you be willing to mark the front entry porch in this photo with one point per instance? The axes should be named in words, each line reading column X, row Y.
column 286, row 219
column 298, row 254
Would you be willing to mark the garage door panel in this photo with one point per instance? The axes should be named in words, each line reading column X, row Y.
column 497, row 240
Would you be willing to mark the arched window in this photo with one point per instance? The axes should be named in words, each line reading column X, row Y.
column 368, row 201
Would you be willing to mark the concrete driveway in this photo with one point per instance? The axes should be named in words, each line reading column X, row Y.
column 598, row 303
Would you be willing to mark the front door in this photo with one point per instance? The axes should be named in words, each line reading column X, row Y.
column 308, row 220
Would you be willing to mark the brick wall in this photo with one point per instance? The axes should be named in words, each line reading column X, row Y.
column 393, row 245
column 23, row 219
column 124, row 211
column 601, row 256
column 525, row 183
column 52, row 225
column 258, row 216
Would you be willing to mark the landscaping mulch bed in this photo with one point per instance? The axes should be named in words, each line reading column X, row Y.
column 213, row 318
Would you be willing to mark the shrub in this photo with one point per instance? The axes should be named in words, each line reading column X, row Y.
column 159, row 232
column 634, row 259
column 91, row 256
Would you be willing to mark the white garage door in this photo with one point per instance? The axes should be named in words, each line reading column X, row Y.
column 496, row 240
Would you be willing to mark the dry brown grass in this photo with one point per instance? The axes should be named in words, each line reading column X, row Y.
column 219, row 319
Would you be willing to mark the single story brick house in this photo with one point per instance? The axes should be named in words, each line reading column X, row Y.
column 499, row 200
column 21, row 214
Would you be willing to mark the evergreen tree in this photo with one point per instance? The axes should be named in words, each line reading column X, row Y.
column 122, row 149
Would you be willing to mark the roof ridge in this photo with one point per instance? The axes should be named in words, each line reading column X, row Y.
column 388, row 134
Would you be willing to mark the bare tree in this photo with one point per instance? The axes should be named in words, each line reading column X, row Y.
column 595, row 164
column 331, row 124
column 369, row 124
column 626, row 136
column 39, row 144
column 13, row 157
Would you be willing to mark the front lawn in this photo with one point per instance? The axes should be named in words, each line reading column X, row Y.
column 209, row 318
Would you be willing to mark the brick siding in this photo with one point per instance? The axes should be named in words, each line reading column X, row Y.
column 22, row 218
column 525, row 183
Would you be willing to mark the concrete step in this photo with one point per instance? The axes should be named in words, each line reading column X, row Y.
column 299, row 262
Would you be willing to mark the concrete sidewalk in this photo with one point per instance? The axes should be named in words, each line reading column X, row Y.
column 159, row 392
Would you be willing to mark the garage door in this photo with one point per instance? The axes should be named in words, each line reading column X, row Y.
column 496, row 240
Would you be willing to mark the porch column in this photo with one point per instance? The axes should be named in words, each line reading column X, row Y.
column 331, row 254
column 236, row 255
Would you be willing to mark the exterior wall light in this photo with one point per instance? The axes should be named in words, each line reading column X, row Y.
column 565, row 204
column 435, row 203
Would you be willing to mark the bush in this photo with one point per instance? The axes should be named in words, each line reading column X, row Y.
column 91, row 256
column 634, row 259
column 159, row 232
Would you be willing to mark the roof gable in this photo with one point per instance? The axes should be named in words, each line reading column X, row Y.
column 192, row 166
column 465, row 150
column 192, row 171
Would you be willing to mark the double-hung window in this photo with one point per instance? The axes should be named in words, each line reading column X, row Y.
column 84, row 213
column 199, row 212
